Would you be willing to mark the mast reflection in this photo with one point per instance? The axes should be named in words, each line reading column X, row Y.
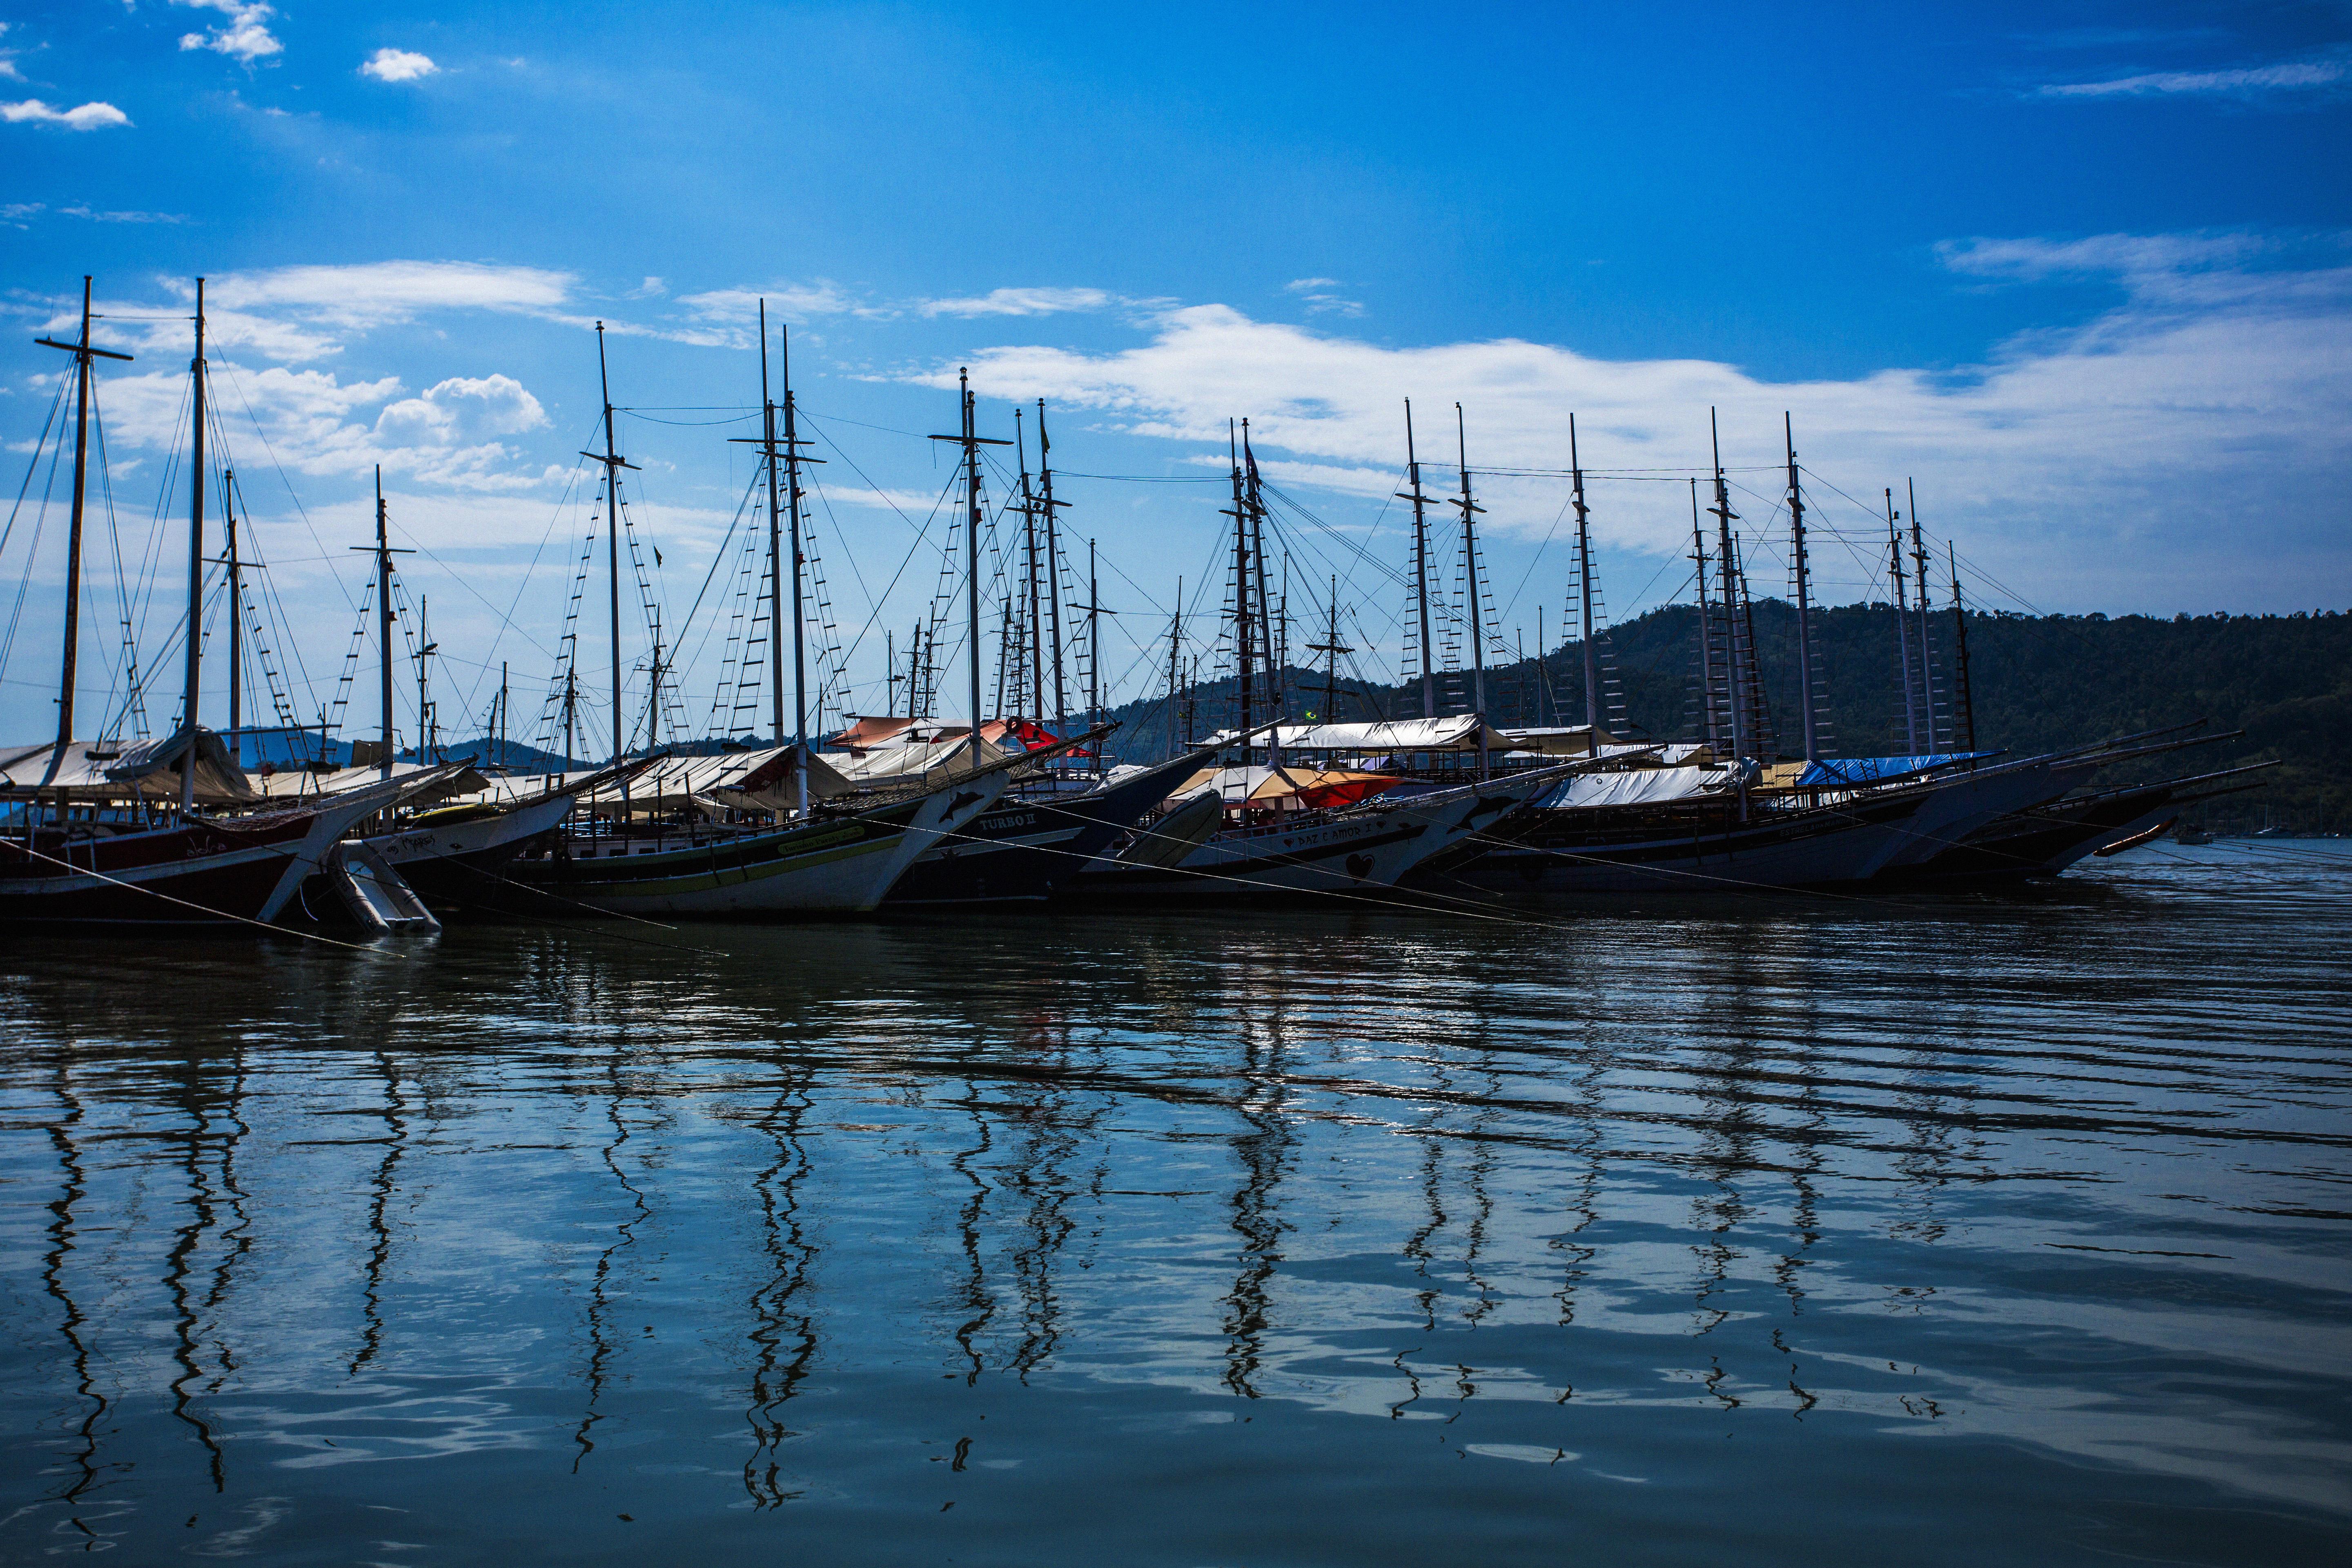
column 784, row 1333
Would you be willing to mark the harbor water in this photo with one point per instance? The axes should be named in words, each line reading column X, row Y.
column 1784, row 1229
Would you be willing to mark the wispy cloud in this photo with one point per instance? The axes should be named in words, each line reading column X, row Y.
column 2122, row 255
column 8, row 71
column 1320, row 297
column 87, row 117
column 2154, row 443
column 1018, row 302
column 96, row 217
column 2295, row 76
column 398, row 65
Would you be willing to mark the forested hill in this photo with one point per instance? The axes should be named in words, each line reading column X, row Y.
column 2038, row 683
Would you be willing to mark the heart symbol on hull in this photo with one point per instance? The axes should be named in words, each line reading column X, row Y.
column 1359, row 867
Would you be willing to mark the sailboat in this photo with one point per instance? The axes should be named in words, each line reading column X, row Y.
column 171, row 831
column 839, row 846
column 1284, row 831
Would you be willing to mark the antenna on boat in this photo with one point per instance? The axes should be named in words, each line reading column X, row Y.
column 1804, row 603
column 83, row 355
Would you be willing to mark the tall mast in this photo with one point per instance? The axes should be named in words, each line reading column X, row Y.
column 1725, row 564
column 1706, row 626
column 235, row 616
column 1053, row 568
column 1266, row 645
column 1242, row 652
column 1175, row 660
column 1902, row 622
column 1927, row 668
column 613, row 466
column 776, row 543
column 1036, row 611
column 502, row 713
column 1584, row 581
column 1804, row 602
column 425, row 646
column 195, row 559
column 1331, row 648
column 1476, row 607
column 1420, row 563
column 570, row 717
column 383, row 625
column 1966, row 713
column 972, row 441
column 1094, row 640
column 82, row 353
column 793, row 494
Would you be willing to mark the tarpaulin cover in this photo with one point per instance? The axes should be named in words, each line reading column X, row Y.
column 1460, row 732
column 1306, row 789
column 87, row 770
column 1641, row 786
column 1831, row 772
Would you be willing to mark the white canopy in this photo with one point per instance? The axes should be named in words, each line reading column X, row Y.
column 1638, row 786
column 88, row 770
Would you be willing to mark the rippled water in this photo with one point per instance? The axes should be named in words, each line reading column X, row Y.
column 1951, row 1229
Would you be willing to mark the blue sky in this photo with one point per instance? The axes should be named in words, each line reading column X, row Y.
column 2079, row 270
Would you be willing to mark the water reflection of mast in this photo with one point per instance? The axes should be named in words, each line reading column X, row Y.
column 62, row 1233
column 975, row 1296
column 600, row 1343
column 395, row 1143
column 1265, row 1151
column 235, row 1241
column 185, row 1240
column 776, row 1373
column 1052, row 1135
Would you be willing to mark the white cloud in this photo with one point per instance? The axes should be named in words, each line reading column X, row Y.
column 459, row 411
column 651, row 289
column 2194, row 435
column 398, row 65
column 244, row 36
column 2289, row 77
column 85, row 117
column 1019, row 302
column 315, row 425
column 8, row 70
